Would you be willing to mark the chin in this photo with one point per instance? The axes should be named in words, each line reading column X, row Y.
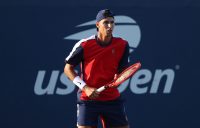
column 109, row 34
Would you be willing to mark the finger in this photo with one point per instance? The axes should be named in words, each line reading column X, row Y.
column 91, row 96
column 115, row 77
column 96, row 92
column 94, row 95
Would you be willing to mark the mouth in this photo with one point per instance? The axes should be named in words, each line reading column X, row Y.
column 109, row 31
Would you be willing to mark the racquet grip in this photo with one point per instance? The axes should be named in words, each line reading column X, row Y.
column 101, row 89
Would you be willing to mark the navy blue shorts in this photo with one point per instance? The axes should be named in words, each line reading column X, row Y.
column 111, row 112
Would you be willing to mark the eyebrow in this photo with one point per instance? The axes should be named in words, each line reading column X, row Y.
column 108, row 21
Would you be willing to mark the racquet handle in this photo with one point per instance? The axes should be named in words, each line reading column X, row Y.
column 101, row 89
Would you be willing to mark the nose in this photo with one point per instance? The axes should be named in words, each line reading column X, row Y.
column 110, row 24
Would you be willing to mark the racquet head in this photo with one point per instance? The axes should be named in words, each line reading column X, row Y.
column 126, row 74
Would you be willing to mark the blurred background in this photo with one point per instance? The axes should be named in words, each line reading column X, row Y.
column 37, row 35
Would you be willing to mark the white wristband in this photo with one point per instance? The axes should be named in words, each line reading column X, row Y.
column 79, row 82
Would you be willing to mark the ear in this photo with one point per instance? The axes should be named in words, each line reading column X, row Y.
column 97, row 24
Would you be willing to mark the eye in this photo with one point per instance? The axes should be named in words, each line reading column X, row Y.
column 112, row 22
column 106, row 22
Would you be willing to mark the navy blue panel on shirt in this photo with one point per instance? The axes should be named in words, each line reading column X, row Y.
column 124, row 60
column 76, row 57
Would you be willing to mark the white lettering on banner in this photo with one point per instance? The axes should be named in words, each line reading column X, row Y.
column 136, row 81
column 39, row 88
column 139, row 83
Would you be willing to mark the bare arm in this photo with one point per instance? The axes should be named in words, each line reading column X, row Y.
column 71, row 74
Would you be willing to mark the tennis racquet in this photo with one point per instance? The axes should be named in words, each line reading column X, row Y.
column 127, row 73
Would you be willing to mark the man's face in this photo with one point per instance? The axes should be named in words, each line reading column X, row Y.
column 106, row 26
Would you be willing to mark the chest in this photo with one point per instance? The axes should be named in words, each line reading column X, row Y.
column 113, row 52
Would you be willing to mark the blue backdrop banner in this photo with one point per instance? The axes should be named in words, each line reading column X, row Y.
column 36, row 37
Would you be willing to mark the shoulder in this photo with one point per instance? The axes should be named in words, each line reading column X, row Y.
column 84, row 41
column 80, row 44
column 120, row 40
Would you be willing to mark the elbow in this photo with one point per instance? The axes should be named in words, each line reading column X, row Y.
column 68, row 69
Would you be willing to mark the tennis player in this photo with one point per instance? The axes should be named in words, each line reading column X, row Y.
column 101, row 57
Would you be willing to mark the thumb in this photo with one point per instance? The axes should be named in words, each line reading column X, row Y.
column 115, row 76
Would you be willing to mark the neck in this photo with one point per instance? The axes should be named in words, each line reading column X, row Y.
column 104, row 39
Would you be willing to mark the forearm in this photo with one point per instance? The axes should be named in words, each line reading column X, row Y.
column 72, row 75
column 70, row 72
